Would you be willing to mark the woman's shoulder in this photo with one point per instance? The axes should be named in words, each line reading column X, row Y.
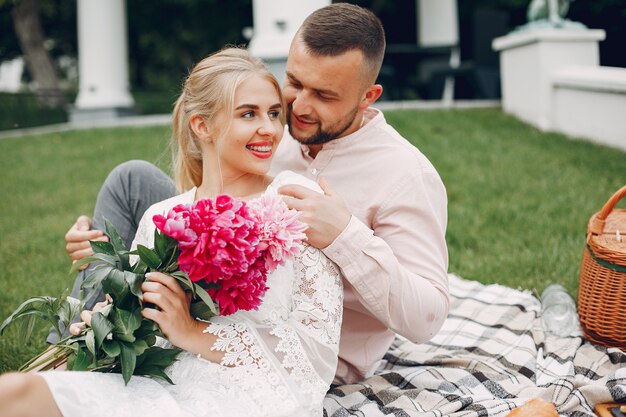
column 290, row 178
column 164, row 206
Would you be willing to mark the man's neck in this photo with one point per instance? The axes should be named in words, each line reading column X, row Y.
column 315, row 149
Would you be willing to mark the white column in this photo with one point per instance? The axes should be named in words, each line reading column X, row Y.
column 528, row 61
column 438, row 26
column 275, row 24
column 102, row 60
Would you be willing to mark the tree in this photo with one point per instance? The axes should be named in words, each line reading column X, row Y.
column 29, row 31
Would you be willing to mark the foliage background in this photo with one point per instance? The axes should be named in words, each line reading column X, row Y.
column 166, row 37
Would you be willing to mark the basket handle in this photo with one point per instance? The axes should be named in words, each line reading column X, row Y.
column 596, row 223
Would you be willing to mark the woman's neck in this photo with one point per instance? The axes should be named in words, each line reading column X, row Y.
column 245, row 186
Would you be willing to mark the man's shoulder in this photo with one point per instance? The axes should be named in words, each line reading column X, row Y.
column 393, row 149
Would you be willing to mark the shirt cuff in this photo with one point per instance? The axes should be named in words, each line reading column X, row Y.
column 349, row 244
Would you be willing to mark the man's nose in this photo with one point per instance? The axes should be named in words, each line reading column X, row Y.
column 301, row 104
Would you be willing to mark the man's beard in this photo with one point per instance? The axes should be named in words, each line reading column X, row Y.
column 321, row 136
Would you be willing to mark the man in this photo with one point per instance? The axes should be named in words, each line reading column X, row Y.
column 383, row 215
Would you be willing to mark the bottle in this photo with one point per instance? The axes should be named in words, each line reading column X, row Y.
column 558, row 311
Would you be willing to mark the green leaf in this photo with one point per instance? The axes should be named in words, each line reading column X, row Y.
column 95, row 277
column 206, row 298
column 69, row 308
column 150, row 257
column 155, row 372
column 111, row 348
column 90, row 341
column 140, row 346
column 96, row 257
column 134, row 282
column 101, row 328
column 115, row 284
column 165, row 246
column 102, row 247
column 147, row 328
column 118, row 244
column 126, row 323
column 114, row 236
column 150, row 339
column 71, row 359
column 25, row 330
column 128, row 360
column 200, row 310
column 183, row 279
column 140, row 268
column 158, row 357
column 39, row 306
column 82, row 361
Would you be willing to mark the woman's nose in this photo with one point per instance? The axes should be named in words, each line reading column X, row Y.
column 267, row 127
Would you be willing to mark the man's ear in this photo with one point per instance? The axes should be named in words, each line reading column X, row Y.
column 200, row 128
column 370, row 96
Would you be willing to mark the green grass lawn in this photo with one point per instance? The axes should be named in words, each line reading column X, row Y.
column 519, row 200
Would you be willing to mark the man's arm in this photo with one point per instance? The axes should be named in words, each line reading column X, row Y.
column 399, row 269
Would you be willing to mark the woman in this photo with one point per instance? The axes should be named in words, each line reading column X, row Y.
column 277, row 360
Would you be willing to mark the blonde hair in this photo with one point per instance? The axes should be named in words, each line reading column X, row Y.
column 209, row 90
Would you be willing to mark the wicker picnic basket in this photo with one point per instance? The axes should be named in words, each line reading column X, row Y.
column 602, row 284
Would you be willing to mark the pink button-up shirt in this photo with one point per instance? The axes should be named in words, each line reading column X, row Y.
column 393, row 254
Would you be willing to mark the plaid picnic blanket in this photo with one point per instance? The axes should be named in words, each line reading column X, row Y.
column 490, row 356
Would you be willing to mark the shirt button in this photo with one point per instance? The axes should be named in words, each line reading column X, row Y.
column 314, row 171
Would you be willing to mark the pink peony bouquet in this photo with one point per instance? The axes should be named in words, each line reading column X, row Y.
column 229, row 245
column 220, row 250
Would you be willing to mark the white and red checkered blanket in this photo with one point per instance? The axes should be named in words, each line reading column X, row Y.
column 490, row 356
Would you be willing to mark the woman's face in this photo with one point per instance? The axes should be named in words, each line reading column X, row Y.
column 255, row 129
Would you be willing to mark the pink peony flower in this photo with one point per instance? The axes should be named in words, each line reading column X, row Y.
column 176, row 224
column 281, row 231
column 227, row 242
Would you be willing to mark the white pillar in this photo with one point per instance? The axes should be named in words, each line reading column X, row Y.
column 438, row 26
column 275, row 24
column 102, row 61
column 528, row 61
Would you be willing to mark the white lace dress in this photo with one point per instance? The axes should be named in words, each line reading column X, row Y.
column 282, row 357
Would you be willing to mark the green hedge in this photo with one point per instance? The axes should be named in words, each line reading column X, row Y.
column 21, row 110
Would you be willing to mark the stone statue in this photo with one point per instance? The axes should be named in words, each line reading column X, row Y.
column 549, row 13
column 552, row 10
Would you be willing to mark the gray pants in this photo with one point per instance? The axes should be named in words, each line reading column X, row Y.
column 126, row 194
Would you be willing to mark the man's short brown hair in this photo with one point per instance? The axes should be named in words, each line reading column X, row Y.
column 342, row 27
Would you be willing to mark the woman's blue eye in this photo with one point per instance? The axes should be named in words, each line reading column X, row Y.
column 274, row 114
column 248, row 115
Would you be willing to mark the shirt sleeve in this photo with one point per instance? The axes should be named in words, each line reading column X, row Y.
column 398, row 267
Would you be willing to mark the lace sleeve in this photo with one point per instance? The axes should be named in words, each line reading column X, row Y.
column 296, row 348
column 144, row 235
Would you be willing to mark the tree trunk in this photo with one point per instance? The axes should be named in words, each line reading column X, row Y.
column 31, row 38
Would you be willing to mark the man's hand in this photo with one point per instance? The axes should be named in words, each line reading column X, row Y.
column 326, row 214
column 85, row 316
column 78, row 237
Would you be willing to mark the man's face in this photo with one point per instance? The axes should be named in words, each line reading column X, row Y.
column 323, row 94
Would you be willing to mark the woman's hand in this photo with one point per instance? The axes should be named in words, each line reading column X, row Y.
column 173, row 317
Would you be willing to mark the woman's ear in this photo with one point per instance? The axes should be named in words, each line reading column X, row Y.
column 200, row 128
